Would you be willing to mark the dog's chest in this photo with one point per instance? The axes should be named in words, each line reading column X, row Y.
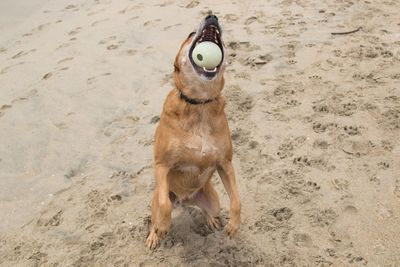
column 202, row 140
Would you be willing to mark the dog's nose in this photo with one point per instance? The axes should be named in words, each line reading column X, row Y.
column 212, row 18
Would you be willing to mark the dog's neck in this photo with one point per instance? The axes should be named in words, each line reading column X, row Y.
column 196, row 91
column 197, row 119
column 194, row 101
column 182, row 107
column 185, row 103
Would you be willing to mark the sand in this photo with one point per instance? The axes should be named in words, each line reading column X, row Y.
column 315, row 121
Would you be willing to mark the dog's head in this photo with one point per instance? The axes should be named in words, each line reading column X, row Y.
column 195, row 81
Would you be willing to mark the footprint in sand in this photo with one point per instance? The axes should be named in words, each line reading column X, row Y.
column 52, row 220
column 22, row 53
column 294, row 186
column 350, row 210
column 282, row 214
column 192, row 4
column 313, row 162
column 320, row 127
column 42, row 26
column 64, row 45
column 240, row 103
column 74, row 31
column 321, row 144
column 340, row 184
column 26, row 96
column 243, row 46
column 133, row 18
column 130, row 8
column 356, row 148
column 321, row 108
column 293, row 103
column 321, row 217
column 387, row 145
column 250, row 20
column 6, row 69
column 37, row 29
column 259, row 17
column 70, row 7
column 95, row 12
column 256, row 61
column 130, row 52
column 273, row 219
column 347, row 109
column 3, row 109
column 63, row 68
column 166, row 3
column 151, row 22
column 302, row 240
column 171, row 26
column 107, row 39
column 242, row 75
column 289, row 145
column 47, row 76
column 112, row 47
column 352, row 130
column 390, row 119
column 94, row 78
column 315, row 78
column 383, row 165
column 276, row 177
column 396, row 190
column 231, row 17
column 95, row 23
column 283, row 90
column 332, row 103
column 65, row 60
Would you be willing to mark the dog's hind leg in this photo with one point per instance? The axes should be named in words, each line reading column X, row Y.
column 161, row 209
column 207, row 199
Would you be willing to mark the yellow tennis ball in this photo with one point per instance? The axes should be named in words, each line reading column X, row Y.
column 207, row 54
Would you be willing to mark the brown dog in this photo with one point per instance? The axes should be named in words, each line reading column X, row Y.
column 193, row 140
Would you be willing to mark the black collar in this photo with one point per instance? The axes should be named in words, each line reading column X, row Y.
column 194, row 101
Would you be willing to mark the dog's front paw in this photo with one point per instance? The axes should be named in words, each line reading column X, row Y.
column 213, row 223
column 156, row 234
column 232, row 228
column 162, row 231
column 152, row 240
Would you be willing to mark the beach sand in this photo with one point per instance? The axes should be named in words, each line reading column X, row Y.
column 315, row 121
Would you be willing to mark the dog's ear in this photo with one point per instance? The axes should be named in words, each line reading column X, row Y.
column 176, row 64
column 190, row 35
column 176, row 68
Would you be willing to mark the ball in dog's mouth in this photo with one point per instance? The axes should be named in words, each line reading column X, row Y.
column 206, row 53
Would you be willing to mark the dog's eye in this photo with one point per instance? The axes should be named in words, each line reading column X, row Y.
column 207, row 55
column 191, row 34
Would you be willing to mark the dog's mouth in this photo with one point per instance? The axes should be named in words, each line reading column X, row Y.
column 209, row 31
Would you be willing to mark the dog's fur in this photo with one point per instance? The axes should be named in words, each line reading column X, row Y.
column 191, row 142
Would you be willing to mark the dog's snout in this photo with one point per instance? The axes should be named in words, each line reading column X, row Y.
column 212, row 18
